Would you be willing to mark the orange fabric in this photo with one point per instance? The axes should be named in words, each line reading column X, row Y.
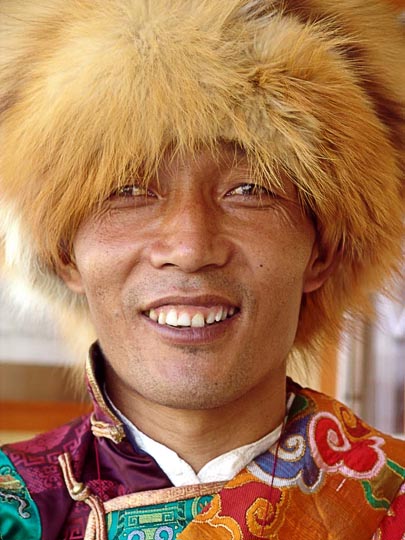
column 336, row 479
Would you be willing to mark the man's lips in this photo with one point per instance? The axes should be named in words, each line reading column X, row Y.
column 186, row 312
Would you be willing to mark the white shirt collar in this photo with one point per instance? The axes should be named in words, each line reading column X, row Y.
column 180, row 473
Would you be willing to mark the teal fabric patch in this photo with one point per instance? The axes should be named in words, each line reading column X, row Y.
column 157, row 522
column 19, row 516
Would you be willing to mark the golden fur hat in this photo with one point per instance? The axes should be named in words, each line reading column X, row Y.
column 90, row 91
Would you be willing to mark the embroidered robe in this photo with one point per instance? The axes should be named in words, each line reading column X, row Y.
column 331, row 477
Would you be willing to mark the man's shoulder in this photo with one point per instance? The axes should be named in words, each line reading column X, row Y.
column 30, row 475
column 45, row 447
column 329, row 415
column 345, row 466
column 36, row 459
column 368, row 461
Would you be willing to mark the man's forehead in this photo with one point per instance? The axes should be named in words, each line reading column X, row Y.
column 222, row 153
column 223, row 156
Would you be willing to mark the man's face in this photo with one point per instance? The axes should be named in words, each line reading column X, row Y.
column 195, row 285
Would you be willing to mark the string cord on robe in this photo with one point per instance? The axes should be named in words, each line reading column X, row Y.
column 100, row 483
column 80, row 492
column 273, row 472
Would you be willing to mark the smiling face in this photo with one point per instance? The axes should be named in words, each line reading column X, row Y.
column 195, row 284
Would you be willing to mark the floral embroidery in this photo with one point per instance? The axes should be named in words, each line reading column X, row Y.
column 296, row 466
column 19, row 516
column 335, row 451
column 12, row 490
column 224, row 527
column 264, row 517
column 331, row 479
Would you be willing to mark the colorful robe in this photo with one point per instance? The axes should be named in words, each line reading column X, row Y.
column 331, row 477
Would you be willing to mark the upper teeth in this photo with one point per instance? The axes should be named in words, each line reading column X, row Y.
column 174, row 317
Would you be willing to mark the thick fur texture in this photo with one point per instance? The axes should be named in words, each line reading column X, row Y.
column 92, row 91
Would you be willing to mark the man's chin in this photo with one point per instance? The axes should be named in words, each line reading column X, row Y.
column 190, row 397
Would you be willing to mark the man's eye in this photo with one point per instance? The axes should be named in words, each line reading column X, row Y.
column 133, row 191
column 251, row 190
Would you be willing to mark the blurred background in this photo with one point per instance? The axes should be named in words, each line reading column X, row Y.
column 365, row 369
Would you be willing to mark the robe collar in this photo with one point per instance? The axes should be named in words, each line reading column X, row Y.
column 104, row 423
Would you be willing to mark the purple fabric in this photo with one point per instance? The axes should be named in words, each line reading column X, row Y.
column 123, row 469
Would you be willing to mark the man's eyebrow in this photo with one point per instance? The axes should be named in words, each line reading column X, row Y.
column 232, row 149
column 233, row 146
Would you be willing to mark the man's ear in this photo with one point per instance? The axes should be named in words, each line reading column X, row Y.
column 70, row 274
column 322, row 263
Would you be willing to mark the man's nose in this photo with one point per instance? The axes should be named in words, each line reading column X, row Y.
column 191, row 237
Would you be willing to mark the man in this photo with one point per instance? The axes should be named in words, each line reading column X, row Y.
column 211, row 184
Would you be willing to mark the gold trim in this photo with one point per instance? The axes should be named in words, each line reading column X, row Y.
column 162, row 496
column 114, row 432
column 149, row 498
column 81, row 492
column 101, row 429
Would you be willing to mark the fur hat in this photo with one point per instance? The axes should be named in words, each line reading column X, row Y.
column 90, row 91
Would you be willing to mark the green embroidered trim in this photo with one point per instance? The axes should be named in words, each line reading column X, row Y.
column 19, row 516
column 396, row 468
column 156, row 522
column 375, row 503
column 299, row 405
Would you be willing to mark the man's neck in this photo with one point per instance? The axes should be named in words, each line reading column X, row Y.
column 198, row 436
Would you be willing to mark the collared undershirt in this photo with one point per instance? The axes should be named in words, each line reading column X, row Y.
column 179, row 472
